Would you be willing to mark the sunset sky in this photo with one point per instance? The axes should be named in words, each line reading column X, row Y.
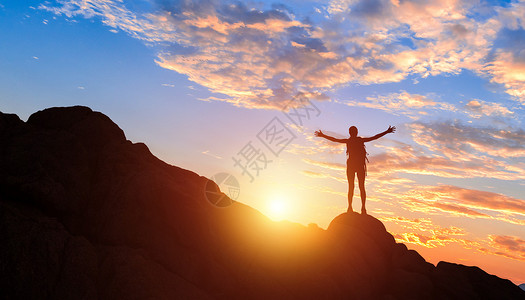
column 200, row 82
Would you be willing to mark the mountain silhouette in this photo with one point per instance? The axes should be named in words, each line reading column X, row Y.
column 86, row 214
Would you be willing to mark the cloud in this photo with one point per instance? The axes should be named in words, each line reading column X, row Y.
column 434, row 206
column 426, row 38
column 114, row 14
column 262, row 57
column 509, row 243
column 425, row 107
column 507, row 70
column 323, row 175
column 431, row 241
column 449, row 200
column 207, row 152
column 479, row 108
column 458, row 210
column 507, row 246
column 258, row 59
column 464, row 202
column 416, row 106
column 506, row 62
column 411, row 105
column 407, row 159
column 243, row 53
column 483, row 200
column 434, row 37
column 424, row 232
column 328, row 165
column 457, row 141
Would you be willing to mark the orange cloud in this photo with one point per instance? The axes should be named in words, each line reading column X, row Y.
column 459, row 201
column 507, row 246
column 424, row 233
column 510, row 72
column 431, row 241
column 431, row 207
column 410, row 162
column 482, row 199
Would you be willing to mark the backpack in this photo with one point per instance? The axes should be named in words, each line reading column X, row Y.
column 356, row 150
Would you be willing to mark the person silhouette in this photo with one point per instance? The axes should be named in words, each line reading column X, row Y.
column 356, row 162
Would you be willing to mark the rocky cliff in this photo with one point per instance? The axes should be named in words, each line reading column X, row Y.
column 86, row 214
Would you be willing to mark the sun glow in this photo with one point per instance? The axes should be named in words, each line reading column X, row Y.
column 277, row 208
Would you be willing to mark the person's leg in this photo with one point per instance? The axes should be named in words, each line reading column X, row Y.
column 350, row 175
column 361, row 179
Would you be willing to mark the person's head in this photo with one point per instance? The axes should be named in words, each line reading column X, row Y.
column 352, row 131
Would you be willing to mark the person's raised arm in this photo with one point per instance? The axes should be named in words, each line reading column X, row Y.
column 375, row 137
column 319, row 133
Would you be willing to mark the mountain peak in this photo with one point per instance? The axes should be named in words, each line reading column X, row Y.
column 94, row 128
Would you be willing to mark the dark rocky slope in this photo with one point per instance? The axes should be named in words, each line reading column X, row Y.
column 86, row 214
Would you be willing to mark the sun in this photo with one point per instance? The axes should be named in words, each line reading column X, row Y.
column 277, row 208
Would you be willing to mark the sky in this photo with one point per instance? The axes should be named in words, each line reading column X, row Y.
column 239, row 87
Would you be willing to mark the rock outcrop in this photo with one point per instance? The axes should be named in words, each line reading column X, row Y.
column 86, row 214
